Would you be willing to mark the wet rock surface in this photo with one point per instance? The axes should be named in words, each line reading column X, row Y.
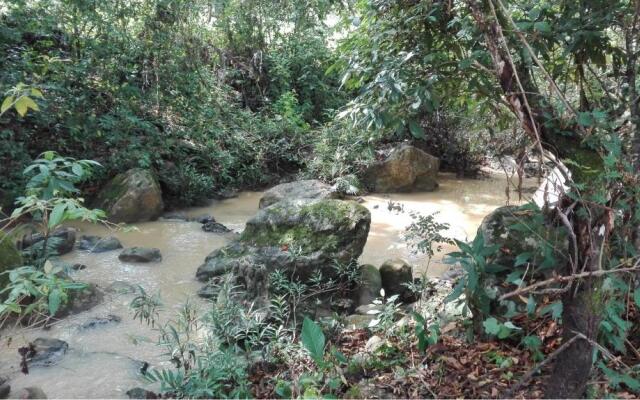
column 97, row 244
column 140, row 255
column 96, row 322
column 31, row 392
column 215, row 227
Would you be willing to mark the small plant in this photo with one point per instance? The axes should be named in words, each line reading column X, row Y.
column 37, row 294
column 146, row 308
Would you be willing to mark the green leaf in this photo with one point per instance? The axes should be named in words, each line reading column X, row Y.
column 313, row 339
column 636, row 297
column 542, row 26
column 491, row 326
column 416, row 130
column 55, row 298
column 522, row 259
column 6, row 104
column 57, row 215
column 585, row 119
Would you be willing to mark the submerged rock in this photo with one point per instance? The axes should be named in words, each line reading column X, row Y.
column 406, row 169
column 81, row 300
column 298, row 236
column 60, row 242
column 97, row 244
column 133, row 196
column 140, row 255
column 175, row 216
column 46, row 352
column 203, row 219
column 121, row 287
column 31, row 392
column 396, row 274
column 100, row 321
column 305, row 189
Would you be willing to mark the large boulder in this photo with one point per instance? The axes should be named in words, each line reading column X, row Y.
column 509, row 228
column 406, row 169
column 306, row 189
column 133, row 196
column 298, row 236
column 9, row 258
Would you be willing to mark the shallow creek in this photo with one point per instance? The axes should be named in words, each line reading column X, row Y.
column 101, row 361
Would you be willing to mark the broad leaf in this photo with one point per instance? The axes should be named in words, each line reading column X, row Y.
column 313, row 339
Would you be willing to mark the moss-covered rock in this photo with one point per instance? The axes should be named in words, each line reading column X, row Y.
column 406, row 169
column 299, row 236
column 133, row 196
column 9, row 258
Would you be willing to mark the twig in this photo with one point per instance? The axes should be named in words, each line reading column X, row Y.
column 527, row 377
column 561, row 279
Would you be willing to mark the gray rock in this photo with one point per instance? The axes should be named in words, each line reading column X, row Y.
column 47, row 352
column 395, row 275
column 97, row 244
column 140, row 255
column 100, row 321
column 215, row 227
column 406, row 169
column 306, row 189
column 369, row 285
column 61, row 241
column 133, row 196
column 298, row 236
column 32, row 392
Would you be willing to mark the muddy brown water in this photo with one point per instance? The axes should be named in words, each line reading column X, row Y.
column 103, row 362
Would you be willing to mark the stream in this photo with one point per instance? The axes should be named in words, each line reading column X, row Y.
column 103, row 361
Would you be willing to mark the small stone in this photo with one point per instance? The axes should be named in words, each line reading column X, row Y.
column 5, row 388
column 140, row 254
column 32, row 392
column 215, row 227
column 97, row 244
column 140, row 393
column 356, row 321
column 373, row 344
column 369, row 309
column 47, row 352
